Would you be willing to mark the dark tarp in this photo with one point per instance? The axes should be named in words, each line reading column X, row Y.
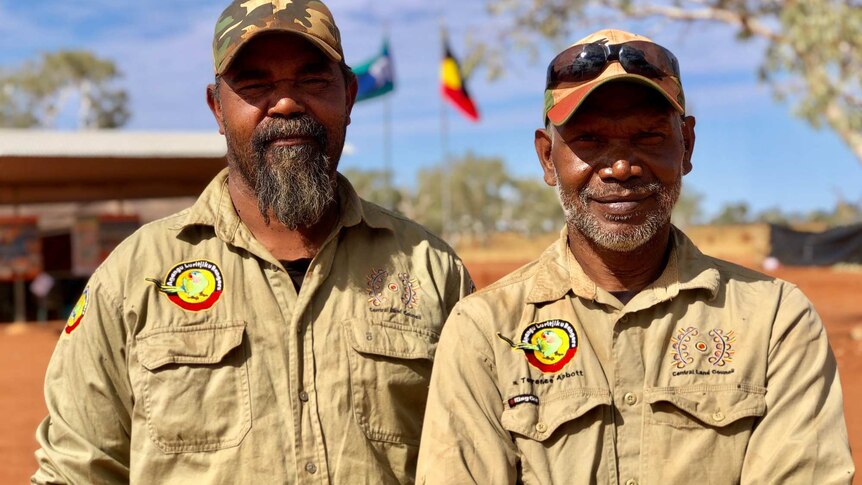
column 795, row 248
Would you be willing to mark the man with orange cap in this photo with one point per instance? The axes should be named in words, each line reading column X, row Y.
column 624, row 355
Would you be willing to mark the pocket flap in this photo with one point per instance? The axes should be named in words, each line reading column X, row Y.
column 715, row 405
column 391, row 339
column 539, row 421
column 199, row 344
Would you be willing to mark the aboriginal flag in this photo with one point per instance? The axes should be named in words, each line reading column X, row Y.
column 452, row 84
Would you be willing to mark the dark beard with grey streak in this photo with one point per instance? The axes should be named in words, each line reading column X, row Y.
column 627, row 238
column 291, row 182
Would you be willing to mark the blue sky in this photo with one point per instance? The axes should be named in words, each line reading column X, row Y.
column 749, row 147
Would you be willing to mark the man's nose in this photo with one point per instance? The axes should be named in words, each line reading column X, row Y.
column 286, row 104
column 622, row 170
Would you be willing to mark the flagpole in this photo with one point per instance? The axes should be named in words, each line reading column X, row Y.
column 445, row 182
column 387, row 140
column 387, row 153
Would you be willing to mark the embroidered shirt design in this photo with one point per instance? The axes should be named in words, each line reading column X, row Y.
column 720, row 351
column 193, row 285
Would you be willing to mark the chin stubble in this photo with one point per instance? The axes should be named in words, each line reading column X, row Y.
column 621, row 238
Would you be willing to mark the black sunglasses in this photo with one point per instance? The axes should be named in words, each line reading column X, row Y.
column 584, row 62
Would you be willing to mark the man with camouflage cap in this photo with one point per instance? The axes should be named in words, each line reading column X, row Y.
column 623, row 355
column 281, row 330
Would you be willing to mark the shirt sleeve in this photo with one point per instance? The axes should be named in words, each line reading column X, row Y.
column 85, row 438
column 463, row 440
column 802, row 437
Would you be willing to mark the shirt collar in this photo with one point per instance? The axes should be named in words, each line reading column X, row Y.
column 552, row 280
column 355, row 210
column 687, row 269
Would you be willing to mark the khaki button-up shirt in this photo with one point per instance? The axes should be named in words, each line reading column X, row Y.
column 713, row 374
column 215, row 371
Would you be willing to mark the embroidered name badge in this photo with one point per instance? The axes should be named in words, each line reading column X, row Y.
column 194, row 286
column 548, row 345
column 686, row 345
column 78, row 311
column 523, row 399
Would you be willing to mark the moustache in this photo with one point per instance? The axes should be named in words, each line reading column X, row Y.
column 300, row 126
column 621, row 189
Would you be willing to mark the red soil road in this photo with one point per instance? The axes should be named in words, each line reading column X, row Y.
column 26, row 349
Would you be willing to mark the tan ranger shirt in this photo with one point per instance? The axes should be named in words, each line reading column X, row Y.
column 714, row 374
column 220, row 373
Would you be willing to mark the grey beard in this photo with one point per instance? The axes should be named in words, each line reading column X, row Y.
column 575, row 207
column 294, row 183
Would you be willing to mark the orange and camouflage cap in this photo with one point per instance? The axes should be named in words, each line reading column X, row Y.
column 561, row 102
column 245, row 19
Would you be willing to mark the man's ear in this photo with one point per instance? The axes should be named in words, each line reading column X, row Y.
column 215, row 106
column 688, row 139
column 352, row 88
column 543, row 144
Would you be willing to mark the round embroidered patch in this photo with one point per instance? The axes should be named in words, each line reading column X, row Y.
column 550, row 345
column 78, row 311
column 193, row 286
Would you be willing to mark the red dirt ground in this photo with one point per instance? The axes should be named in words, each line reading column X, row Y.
column 25, row 350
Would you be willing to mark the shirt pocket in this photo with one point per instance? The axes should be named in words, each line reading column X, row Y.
column 196, row 388
column 699, row 432
column 700, row 406
column 390, row 368
column 569, row 412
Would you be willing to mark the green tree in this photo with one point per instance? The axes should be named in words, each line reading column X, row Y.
column 535, row 207
column 773, row 215
column 372, row 185
column 34, row 94
column 733, row 213
column 813, row 56
column 687, row 210
column 476, row 184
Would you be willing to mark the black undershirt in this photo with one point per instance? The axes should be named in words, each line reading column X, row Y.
column 624, row 296
column 296, row 270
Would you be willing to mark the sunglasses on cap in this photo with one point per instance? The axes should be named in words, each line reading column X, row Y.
column 585, row 62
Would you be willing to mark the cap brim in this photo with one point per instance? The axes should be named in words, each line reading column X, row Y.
column 320, row 44
column 563, row 109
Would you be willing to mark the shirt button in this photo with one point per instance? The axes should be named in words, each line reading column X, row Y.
column 311, row 468
column 631, row 481
column 718, row 416
column 303, row 396
column 541, row 427
column 630, row 399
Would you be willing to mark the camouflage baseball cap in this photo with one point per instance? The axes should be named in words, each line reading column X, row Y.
column 244, row 19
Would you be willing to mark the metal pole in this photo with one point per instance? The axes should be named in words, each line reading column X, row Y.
column 445, row 179
column 445, row 192
column 387, row 153
column 389, row 203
